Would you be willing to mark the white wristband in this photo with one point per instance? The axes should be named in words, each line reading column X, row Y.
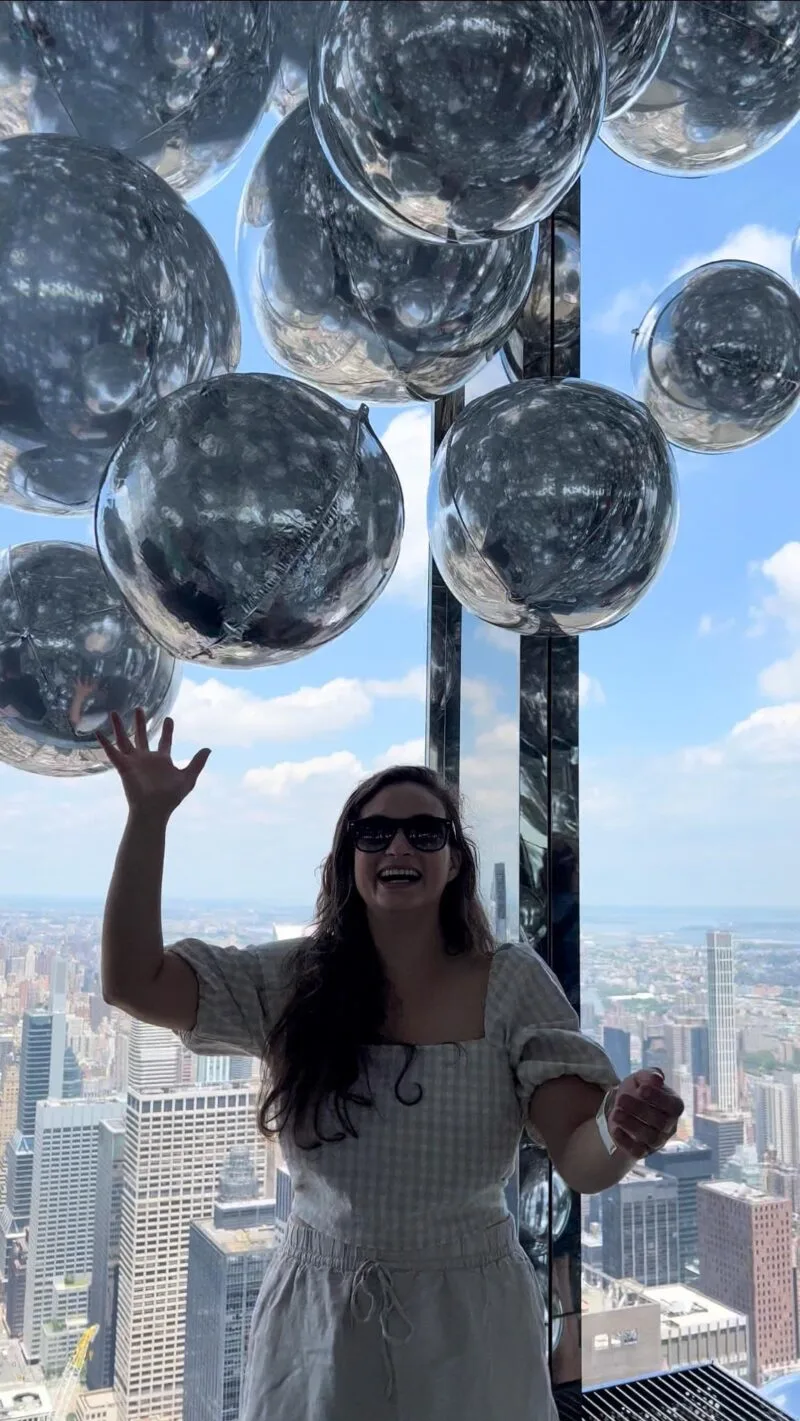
column 602, row 1124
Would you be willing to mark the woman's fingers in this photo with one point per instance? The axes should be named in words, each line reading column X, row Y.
column 165, row 743
column 140, row 729
column 123, row 740
column 111, row 751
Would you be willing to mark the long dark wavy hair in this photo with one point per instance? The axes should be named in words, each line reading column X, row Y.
column 319, row 1045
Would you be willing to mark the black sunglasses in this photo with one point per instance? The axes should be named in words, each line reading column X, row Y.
column 425, row 832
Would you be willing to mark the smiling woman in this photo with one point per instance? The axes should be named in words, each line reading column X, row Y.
column 397, row 1185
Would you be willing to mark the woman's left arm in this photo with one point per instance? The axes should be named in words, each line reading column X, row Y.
column 643, row 1116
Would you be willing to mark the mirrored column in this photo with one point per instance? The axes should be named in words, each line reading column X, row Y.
column 503, row 726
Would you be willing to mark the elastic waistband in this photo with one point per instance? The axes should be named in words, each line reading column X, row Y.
column 472, row 1250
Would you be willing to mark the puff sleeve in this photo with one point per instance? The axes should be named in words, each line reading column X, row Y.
column 541, row 1030
column 241, row 994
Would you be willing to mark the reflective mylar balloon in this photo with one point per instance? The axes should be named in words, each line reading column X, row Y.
column 249, row 519
column 636, row 33
column 348, row 303
column 70, row 654
column 717, row 357
column 111, row 295
column 727, row 88
column 480, row 115
column 542, row 1211
column 552, row 506
column 795, row 260
column 532, row 330
column 293, row 25
column 178, row 85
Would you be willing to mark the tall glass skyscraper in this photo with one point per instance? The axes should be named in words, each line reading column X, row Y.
column 722, row 1022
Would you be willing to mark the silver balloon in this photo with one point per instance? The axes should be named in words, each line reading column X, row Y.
column 293, row 25
column 552, row 506
column 717, row 357
column 111, row 295
column 795, row 260
column 248, row 520
column 636, row 33
column 354, row 306
column 70, row 654
column 480, row 115
column 545, row 1205
column 178, row 85
column 550, row 321
column 727, row 88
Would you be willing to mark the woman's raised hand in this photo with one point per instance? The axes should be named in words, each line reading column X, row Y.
column 149, row 778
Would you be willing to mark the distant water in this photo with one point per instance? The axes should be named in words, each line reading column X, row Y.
column 691, row 924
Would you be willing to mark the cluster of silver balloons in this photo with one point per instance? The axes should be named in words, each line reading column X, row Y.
column 386, row 251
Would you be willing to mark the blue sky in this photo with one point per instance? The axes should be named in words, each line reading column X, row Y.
column 691, row 718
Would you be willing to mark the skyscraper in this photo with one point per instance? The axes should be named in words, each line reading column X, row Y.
column 227, row 1262
column 640, row 1228
column 723, row 1133
column 175, row 1143
column 41, row 1077
column 688, row 1162
column 104, row 1291
column 63, row 1204
column 745, row 1248
column 153, row 1058
column 773, row 1116
column 722, row 1021
column 498, row 903
column 617, row 1045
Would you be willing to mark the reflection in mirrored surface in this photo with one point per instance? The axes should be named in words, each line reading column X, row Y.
column 489, row 767
column 717, row 357
column 249, row 519
column 727, row 88
column 636, row 34
column 111, row 295
column 354, row 306
column 70, row 654
column 461, row 140
column 550, row 320
column 293, row 25
column 552, row 506
column 179, row 86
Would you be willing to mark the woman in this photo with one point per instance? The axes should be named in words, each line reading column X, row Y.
column 404, row 1054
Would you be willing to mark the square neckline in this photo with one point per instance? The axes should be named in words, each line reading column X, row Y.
column 439, row 1045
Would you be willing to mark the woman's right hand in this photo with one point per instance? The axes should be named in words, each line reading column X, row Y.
column 149, row 778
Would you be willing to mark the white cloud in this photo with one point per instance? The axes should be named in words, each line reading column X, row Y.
column 782, row 570
column 407, row 441
column 499, row 637
column 625, row 312
column 411, row 752
column 752, row 243
column 412, row 686
column 491, row 376
column 219, row 714
column 590, row 692
column 781, row 680
column 770, row 734
column 709, row 625
column 275, row 781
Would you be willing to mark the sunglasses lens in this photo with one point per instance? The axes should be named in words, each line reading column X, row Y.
column 427, row 834
column 372, row 835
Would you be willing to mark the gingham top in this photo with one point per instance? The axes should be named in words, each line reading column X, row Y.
column 419, row 1174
